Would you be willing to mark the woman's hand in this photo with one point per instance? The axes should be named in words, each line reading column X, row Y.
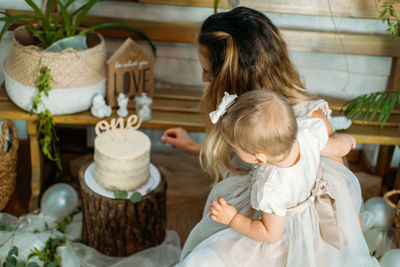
column 179, row 138
column 221, row 211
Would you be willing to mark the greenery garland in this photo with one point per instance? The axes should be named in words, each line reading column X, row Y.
column 47, row 127
column 389, row 16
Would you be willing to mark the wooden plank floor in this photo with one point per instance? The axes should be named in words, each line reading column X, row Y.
column 188, row 185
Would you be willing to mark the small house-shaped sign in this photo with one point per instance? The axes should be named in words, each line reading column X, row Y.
column 129, row 71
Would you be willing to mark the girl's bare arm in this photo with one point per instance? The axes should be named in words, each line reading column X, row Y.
column 268, row 229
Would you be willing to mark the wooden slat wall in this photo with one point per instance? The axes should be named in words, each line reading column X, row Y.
column 338, row 8
column 297, row 40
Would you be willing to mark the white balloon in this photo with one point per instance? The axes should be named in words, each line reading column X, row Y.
column 384, row 214
column 367, row 220
column 380, row 240
column 59, row 200
column 391, row 258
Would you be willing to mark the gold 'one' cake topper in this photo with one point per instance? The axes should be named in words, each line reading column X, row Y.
column 103, row 127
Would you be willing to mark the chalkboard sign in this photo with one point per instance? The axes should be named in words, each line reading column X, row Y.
column 129, row 71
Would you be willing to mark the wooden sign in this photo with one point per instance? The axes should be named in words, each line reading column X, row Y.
column 129, row 71
column 103, row 127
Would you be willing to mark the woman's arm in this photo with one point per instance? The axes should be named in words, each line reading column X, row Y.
column 268, row 229
column 179, row 138
column 341, row 149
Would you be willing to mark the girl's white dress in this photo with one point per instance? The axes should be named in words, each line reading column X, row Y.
column 277, row 190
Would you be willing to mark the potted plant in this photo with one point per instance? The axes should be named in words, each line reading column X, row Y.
column 77, row 75
column 41, row 80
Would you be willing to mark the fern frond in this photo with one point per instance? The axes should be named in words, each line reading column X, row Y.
column 368, row 105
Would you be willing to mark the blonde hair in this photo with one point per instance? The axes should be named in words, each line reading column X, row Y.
column 260, row 121
column 246, row 52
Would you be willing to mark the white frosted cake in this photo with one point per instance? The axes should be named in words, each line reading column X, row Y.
column 121, row 160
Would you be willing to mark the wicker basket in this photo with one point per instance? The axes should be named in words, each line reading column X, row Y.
column 76, row 75
column 8, row 163
column 386, row 197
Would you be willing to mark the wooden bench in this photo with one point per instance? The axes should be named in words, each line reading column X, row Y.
column 180, row 107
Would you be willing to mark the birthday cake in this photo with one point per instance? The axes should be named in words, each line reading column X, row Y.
column 122, row 159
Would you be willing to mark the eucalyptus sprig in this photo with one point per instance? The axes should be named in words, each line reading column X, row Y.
column 12, row 261
column 48, row 255
column 47, row 127
column 390, row 17
column 7, row 228
column 369, row 105
column 121, row 194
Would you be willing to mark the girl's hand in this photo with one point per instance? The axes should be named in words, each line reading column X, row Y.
column 338, row 146
column 221, row 211
column 179, row 138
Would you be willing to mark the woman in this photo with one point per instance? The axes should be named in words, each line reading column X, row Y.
column 240, row 50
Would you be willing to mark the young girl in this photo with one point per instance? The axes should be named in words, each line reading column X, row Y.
column 241, row 50
column 304, row 217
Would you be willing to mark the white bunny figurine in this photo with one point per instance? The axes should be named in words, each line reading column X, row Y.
column 99, row 107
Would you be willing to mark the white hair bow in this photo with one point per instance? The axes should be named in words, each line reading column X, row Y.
column 226, row 102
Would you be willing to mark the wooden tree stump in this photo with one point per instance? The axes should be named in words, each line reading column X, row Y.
column 119, row 227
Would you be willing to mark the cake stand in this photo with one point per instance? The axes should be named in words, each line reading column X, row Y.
column 119, row 227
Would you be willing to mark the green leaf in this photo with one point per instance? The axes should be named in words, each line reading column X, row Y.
column 33, row 264
column 136, row 197
column 20, row 264
column 11, row 261
column 358, row 102
column 9, row 20
column 389, row 109
column 62, row 224
column 385, row 105
column 121, row 25
column 120, row 194
column 388, row 13
column 371, row 102
column 352, row 105
column 377, row 106
column 48, row 10
column 216, row 4
column 361, row 108
column 34, row 252
column 13, row 251
column 84, row 10
column 9, row 228
column 45, row 23
column 67, row 19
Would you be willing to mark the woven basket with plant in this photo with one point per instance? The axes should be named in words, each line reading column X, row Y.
column 52, row 50
column 8, row 162
column 52, row 36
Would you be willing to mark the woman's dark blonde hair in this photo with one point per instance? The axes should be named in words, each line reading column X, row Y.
column 260, row 121
column 246, row 52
